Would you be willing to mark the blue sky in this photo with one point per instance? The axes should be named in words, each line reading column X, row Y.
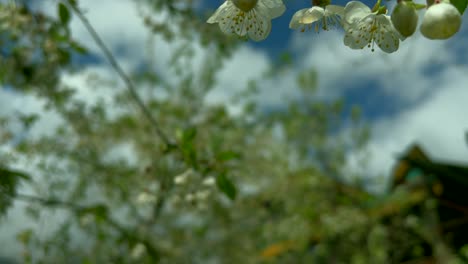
column 281, row 38
column 391, row 88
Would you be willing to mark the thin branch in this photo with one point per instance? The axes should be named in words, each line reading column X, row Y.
column 129, row 84
column 46, row 202
column 131, row 88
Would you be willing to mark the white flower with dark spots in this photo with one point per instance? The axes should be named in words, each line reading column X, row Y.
column 323, row 17
column 250, row 18
column 365, row 28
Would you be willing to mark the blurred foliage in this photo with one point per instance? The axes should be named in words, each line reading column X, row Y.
column 252, row 187
column 9, row 180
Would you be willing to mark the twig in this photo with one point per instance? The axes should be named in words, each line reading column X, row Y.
column 129, row 84
column 46, row 202
column 131, row 88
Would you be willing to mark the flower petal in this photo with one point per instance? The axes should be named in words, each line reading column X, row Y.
column 355, row 10
column 255, row 23
column 233, row 21
column 335, row 9
column 386, row 36
column 259, row 24
column 275, row 7
column 358, row 35
column 221, row 12
column 296, row 20
column 313, row 14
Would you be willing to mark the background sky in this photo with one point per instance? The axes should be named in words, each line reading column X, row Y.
column 418, row 94
column 415, row 95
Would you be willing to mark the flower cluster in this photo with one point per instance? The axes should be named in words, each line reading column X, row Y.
column 192, row 189
column 363, row 26
column 250, row 18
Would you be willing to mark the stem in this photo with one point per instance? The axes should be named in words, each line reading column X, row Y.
column 376, row 6
column 47, row 202
column 129, row 84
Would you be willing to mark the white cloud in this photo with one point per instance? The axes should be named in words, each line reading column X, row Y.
column 438, row 123
column 341, row 68
column 426, row 79
column 245, row 65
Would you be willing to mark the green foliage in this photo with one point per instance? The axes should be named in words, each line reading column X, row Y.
column 99, row 211
column 460, row 5
column 63, row 13
column 9, row 182
column 226, row 186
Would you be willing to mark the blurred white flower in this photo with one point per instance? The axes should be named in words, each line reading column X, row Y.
column 202, row 195
column 190, row 197
column 86, row 219
column 145, row 197
column 183, row 178
column 138, row 250
column 250, row 18
column 209, row 181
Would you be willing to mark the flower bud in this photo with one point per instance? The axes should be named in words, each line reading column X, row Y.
column 405, row 19
column 441, row 21
column 245, row 5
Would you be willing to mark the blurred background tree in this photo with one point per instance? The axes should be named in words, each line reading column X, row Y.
column 154, row 174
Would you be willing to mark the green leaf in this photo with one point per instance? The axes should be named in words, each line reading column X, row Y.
column 72, row 2
column 28, row 119
column 9, row 180
column 460, row 5
column 64, row 56
column 78, row 47
column 189, row 134
column 226, row 186
column 25, row 236
column 307, row 80
column 4, row 173
column 188, row 147
column 63, row 13
column 228, row 155
column 416, row 5
column 100, row 211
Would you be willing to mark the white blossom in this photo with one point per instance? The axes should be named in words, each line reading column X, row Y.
column 190, row 197
column 183, row 177
column 209, row 181
column 145, row 198
column 365, row 28
column 202, row 195
column 137, row 251
column 323, row 17
column 250, row 18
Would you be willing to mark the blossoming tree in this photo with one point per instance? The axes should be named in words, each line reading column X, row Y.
column 151, row 173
